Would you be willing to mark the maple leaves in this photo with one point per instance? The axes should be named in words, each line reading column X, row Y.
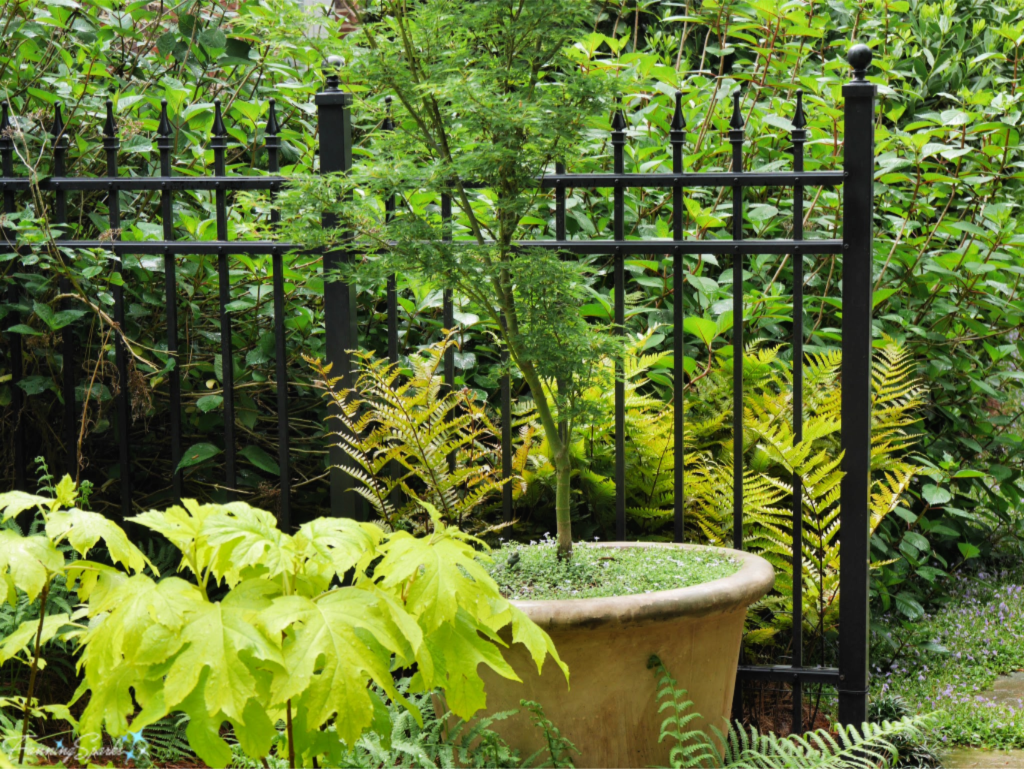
column 286, row 639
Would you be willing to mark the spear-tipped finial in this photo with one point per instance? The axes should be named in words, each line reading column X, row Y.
column 678, row 121
column 5, row 118
column 164, row 129
column 110, row 126
column 737, row 114
column 331, row 66
column 218, row 120
column 859, row 58
column 389, row 124
column 58, row 122
column 799, row 121
column 272, row 127
column 619, row 118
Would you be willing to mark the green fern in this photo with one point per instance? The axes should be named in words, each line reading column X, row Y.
column 773, row 458
column 447, row 742
column 414, row 424
column 869, row 747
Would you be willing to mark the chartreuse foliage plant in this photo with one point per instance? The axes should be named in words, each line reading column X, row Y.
column 773, row 459
column 407, row 420
column 487, row 97
column 30, row 565
column 263, row 626
column 741, row 747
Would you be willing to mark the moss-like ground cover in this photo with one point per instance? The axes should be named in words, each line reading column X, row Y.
column 980, row 636
column 599, row 572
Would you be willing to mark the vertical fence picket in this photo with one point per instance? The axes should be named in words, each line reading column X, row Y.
column 736, row 133
column 122, row 403
column 619, row 217
column 390, row 206
column 165, row 145
column 272, row 141
column 334, row 121
column 448, row 310
column 60, row 216
column 799, row 136
column 736, row 139
column 219, row 144
column 677, row 135
column 858, row 204
column 392, row 287
column 13, row 296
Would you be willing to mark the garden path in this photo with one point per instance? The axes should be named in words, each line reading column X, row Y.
column 1007, row 690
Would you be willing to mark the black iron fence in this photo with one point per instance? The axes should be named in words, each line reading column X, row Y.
column 335, row 131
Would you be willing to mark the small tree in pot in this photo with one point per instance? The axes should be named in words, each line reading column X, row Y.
column 488, row 98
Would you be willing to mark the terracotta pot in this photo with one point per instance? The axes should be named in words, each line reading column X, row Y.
column 610, row 711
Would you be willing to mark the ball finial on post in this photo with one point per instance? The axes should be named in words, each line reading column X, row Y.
column 331, row 66
column 859, row 58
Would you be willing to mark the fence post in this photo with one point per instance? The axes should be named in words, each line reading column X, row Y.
column 858, row 205
column 334, row 123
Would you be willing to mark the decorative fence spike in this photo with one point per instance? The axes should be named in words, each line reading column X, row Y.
column 58, row 131
column 799, row 121
column 619, row 119
column 736, row 123
column 164, row 128
column 218, row 120
column 110, row 126
column 272, row 127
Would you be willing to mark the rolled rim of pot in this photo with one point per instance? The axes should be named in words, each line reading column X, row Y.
column 751, row 581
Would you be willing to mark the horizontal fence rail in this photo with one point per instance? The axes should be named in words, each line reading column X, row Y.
column 342, row 333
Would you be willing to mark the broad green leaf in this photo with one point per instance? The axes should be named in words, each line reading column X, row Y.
column 110, row 703
column 935, row 496
column 256, row 732
column 182, row 526
column 968, row 550
column 457, row 649
column 535, row 639
column 240, row 536
column 221, row 639
column 83, row 530
column 333, row 645
column 437, row 575
column 261, row 459
column 340, row 542
column 917, row 540
column 66, row 493
column 30, row 560
column 24, row 637
column 13, row 503
column 95, row 580
column 706, row 330
column 198, row 454
column 212, row 38
column 204, row 728
column 8, row 590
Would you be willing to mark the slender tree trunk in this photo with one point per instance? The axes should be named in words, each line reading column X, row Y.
column 563, row 469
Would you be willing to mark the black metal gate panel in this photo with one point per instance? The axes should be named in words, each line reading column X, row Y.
column 334, row 119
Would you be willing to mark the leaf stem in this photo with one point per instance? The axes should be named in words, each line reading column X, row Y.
column 34, row 669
